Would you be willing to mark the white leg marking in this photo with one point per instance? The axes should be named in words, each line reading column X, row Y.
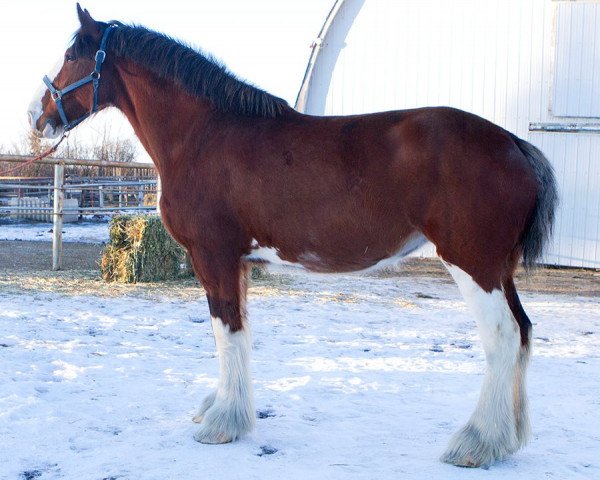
column 491, row 432
column 520, row 397
column 228, row 413
column 206, row 404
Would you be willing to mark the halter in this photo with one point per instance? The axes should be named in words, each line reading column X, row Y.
column 93, row 77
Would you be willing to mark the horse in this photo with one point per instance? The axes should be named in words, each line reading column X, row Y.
column 243, row 175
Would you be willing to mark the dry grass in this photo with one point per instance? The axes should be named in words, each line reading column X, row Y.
column 88, row 282
column 141, row 250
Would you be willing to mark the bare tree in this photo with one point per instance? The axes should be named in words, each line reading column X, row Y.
column 109, row 148
column 28, row 144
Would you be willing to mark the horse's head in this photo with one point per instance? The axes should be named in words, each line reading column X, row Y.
column 73, row 91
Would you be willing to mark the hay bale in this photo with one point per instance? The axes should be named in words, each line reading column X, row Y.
column 141, row 250
column 116, row 230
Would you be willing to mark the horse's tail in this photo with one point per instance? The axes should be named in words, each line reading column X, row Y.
column 539, row 228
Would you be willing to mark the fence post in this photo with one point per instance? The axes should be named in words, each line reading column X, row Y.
column 100, row 196
column 59, row 196
column 141, row 195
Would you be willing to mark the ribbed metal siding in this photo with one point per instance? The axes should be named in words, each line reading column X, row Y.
column 577, row 70
column 493, row 58
column 576, row 160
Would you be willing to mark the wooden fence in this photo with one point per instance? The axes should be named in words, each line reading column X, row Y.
column 58, row 188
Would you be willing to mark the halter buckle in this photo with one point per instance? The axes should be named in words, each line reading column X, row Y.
column 100, row 56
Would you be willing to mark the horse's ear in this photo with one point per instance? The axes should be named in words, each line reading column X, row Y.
column 88, row 24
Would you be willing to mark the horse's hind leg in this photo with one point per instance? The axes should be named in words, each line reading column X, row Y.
column 228, row 412
column 500, row 425
column 520, row 396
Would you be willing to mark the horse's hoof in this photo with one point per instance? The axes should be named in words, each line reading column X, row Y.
column 468, row 461
column 224, row 423
column 211, row 438
column 468, row 448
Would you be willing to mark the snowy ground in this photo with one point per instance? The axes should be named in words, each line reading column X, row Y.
column 83, row 231
column 355, row 377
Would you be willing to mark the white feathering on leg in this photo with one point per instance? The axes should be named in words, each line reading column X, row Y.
column 494, row 429
column 228, row 413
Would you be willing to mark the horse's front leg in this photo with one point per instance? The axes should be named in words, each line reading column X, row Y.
column 228, row 412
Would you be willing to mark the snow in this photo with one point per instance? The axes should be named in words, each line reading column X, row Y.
column 355, row 377
column 83, row 231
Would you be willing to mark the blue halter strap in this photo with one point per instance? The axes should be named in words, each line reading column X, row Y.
column 93, row 77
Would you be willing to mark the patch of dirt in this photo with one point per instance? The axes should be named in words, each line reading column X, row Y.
column 550, row 280
column 26, row 265
column 33, row 256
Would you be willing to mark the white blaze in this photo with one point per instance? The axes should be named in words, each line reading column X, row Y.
column 35, row 109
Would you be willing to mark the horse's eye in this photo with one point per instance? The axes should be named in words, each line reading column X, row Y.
column 69, row 57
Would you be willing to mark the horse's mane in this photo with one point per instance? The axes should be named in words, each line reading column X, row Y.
column 199, row 74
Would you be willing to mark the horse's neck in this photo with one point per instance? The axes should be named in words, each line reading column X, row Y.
column 159, row 112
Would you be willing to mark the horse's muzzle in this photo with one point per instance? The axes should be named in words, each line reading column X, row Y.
column 47, row 130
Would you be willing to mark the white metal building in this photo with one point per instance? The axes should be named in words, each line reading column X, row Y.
column 530, row 66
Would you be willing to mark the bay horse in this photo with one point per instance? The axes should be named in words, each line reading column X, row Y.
column 242, row 172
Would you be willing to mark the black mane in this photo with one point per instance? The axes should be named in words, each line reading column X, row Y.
column 196, row 72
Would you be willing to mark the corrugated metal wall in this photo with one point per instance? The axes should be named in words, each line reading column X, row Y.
column 515, row 63
column 577, row 62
